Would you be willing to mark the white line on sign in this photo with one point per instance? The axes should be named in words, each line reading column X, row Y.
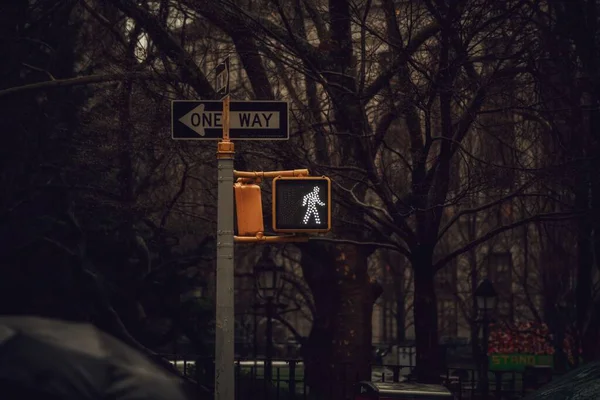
column 198, row 120
column 222, row 80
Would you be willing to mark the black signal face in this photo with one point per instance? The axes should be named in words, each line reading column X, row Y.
column 302, row 204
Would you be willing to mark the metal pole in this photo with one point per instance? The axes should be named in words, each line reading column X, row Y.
column 224, row 332
column 485, row 361
column 269, row 347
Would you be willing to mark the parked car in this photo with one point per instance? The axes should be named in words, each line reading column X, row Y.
column 401, row 390
column 582, row 383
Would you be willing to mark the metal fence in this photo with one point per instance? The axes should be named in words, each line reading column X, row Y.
column 288, row 380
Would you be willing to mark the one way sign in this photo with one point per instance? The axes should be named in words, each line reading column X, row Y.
column 249, row 120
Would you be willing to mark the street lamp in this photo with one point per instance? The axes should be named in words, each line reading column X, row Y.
column 194, row 293
column 269, row 283
column 487, row 300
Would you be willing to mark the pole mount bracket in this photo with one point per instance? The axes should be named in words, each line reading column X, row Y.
column 260, row 238
column 225, row 149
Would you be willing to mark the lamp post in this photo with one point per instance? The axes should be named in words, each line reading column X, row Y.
column 268, row 282
column 194, row 293
column 487, row 300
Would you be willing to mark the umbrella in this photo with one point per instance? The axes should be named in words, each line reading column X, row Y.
column 76, row 361
column 580, row 384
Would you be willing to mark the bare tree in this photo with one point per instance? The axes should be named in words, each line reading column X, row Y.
column 391, row 94
column 568, row 77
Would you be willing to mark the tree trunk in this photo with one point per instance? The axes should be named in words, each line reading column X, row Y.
column 583, row 290
column 397, row 264
column 592, row 350
column 557, row 324
column 337, row 353
column 428, row 367
column 400, row 307
column 473, row 324
column 474, row 280
column 581, row 22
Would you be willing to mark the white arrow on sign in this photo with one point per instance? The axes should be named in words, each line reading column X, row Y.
column 198, row 120
column 194, row 119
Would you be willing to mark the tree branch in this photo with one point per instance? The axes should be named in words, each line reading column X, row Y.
column 320, row 25
column 180, row 192
column 490, row 234
column 481, row 208
column 247, row 50
column 189, row 71
column 252, row 25
column 383, row 79
column 109, row 321
column 382, row 127
column 78, row 81
column 374, row 245
column 372, row 211
column 106, row 23
column 341, row 34
column 301, row 339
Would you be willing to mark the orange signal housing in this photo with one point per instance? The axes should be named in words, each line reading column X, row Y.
column 248, row 207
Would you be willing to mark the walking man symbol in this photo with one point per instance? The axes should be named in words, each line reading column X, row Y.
column 310, row 201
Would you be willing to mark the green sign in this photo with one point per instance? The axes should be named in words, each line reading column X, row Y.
column 518, row 362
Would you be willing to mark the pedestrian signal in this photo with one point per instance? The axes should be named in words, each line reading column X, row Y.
column 302, row 204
